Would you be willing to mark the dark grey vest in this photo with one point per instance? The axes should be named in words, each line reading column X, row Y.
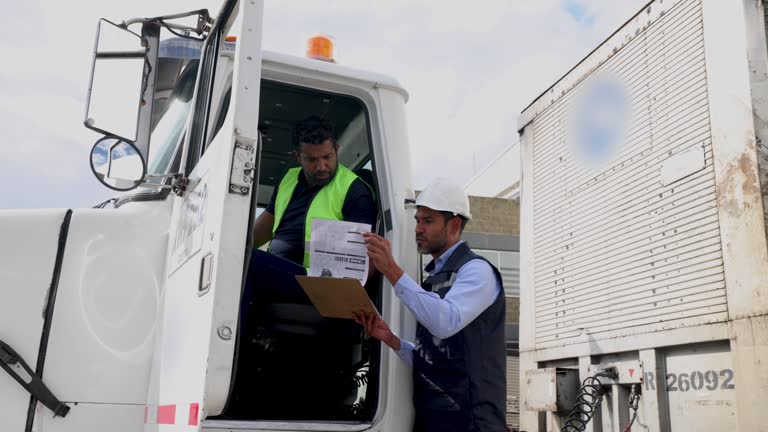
column 462, row 377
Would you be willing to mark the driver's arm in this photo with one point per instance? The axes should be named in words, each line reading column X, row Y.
column 262, row 229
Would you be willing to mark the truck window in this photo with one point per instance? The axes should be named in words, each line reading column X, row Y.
column 215, row 76
column 170, row 125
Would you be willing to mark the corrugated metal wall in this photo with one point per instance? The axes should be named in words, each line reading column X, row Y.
column 595, row 277
column 513, row 391
column 509, row 268
column 508, row 264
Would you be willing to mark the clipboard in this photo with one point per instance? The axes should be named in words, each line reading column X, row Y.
column 337, row 297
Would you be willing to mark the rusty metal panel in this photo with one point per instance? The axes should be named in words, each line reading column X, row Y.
column 632, row 243
column 759, row 56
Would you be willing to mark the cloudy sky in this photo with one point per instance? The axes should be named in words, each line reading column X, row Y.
column 469, row 71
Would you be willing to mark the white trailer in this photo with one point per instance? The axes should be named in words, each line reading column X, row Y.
column 128, row 317
column 645, row 209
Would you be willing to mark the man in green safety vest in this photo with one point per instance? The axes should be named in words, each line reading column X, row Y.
column 321, row 188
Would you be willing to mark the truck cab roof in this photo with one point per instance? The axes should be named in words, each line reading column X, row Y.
column 274, row 62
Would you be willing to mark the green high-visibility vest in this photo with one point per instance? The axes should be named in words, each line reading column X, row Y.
column 327, row 204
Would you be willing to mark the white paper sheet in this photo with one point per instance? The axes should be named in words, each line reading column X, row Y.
column 337, row 249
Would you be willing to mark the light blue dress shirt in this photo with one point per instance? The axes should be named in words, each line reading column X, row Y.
column 474, row 290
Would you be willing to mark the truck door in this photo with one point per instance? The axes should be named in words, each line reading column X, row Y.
column 208, row 238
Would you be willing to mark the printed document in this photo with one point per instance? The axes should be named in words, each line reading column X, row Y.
column 337, row 249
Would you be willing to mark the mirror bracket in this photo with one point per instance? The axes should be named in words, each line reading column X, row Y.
column 178, row 183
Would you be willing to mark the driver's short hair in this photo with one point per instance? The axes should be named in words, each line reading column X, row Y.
column 313, row 130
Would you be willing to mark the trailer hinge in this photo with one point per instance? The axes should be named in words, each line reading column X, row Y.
column 242, row 175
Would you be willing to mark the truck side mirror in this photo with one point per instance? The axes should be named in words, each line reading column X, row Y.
column 117, row 164
column 119, row 75
column 120, row 99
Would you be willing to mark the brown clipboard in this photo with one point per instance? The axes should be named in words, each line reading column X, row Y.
column 337, row 297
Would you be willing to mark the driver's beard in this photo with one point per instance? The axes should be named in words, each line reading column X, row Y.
column 314, row 181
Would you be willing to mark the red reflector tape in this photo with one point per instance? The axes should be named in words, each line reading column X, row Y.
column 188, row 414
column 166, row 414
column 194, row 410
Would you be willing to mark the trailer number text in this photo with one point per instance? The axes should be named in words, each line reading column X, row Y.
column 696, row 380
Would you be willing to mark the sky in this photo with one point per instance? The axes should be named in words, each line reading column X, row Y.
column 469, row 72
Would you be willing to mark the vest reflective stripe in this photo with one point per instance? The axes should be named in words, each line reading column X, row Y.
column 327, row 204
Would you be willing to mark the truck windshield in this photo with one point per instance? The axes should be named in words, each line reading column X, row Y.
column 168, row 131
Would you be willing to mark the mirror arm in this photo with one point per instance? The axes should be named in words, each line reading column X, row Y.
column 204, row 21
column 183, row 27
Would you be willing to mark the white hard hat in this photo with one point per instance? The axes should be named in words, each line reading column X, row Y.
column 444, row 195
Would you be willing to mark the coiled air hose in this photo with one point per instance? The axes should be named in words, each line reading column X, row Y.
column 590, row 395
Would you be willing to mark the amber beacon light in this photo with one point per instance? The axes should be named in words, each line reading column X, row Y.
column 320, row 47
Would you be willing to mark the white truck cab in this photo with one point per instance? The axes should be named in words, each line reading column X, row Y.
column 129, row 317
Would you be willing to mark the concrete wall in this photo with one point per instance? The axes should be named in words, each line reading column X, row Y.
column 494, row 216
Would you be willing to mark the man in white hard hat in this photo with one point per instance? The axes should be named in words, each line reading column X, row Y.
column 458, row 358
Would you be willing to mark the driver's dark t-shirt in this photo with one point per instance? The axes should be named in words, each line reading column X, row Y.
column 288, row 241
